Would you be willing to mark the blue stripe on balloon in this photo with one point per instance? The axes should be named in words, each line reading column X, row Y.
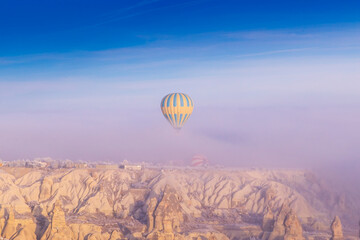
column 163, row 101
column 171, row 118
column 181, row 100
column 168, row 101
column 167, row 96
column 172, row 99
column 187, row 100
column 175, row 115
column 181, row 115
column 184, row 119
column 192, row 104
column 175, row 96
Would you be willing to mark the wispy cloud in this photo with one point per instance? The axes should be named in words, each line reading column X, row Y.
column 141, row 8
column 211, row 46
column 7, row 61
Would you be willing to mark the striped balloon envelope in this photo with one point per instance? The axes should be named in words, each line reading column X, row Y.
column 177, row 108
column 199, row 161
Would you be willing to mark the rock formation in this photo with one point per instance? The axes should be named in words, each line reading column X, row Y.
column 286, row 226
column 268, row 220
column 150, row 214
column 279, row 227
column 204, row 236
column 45, row 189
column 269, row 195
column 57, row 229
column 112, row 203
column 10, row 228
column 336, row 229
column 116, row 235
column 20, row 229
column 293, row 229
column 267, row 223
column 167, row 215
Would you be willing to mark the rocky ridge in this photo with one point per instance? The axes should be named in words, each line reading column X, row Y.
column 165, row 204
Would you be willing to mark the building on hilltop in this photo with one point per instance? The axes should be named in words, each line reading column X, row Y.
column 106, row 166
column 80, row 165
column 136, row 167
column 35, row 164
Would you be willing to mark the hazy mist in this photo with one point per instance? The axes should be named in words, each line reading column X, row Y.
column 262, row 99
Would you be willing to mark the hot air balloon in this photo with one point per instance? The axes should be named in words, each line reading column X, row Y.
column 177, row 108
column 199, row 161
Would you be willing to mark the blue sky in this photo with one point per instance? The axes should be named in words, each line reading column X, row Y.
column 70, row 36
column 64, row 26
column 274, row 82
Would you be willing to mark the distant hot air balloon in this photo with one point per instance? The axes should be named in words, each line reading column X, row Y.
column 177, row 108
column 199, row 161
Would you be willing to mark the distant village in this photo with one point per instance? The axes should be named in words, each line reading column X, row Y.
column 56, row 164
column 197, row 162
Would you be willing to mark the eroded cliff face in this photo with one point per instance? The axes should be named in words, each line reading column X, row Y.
column 58, row 229
column 336, row 229
column 285, row 225
column 293, row 228
column 165, row 216
column 160, row 204
column 267, row 224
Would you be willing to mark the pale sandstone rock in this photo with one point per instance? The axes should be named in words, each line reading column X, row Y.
column 10, row 228
column 269, row 195
column 267, row 223
column 166, row 217
column 116, row 235
column 167, row 214
column 279, row 228
column 45, row 189
column 2, row 218
column 206, row 236
column 57, row 228
column 114, row 193
column 82, row 230
column 336, row 229
column 26, row 233
column 94, row 236
column 150, row 214
column 224, row 203
column 20, row 229
column 286, row 226
column 160, row 235
column 293, row 229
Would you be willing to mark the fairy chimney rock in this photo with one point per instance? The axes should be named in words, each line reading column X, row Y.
column 336, row 229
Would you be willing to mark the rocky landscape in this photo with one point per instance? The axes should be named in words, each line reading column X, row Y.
column 183, row 203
